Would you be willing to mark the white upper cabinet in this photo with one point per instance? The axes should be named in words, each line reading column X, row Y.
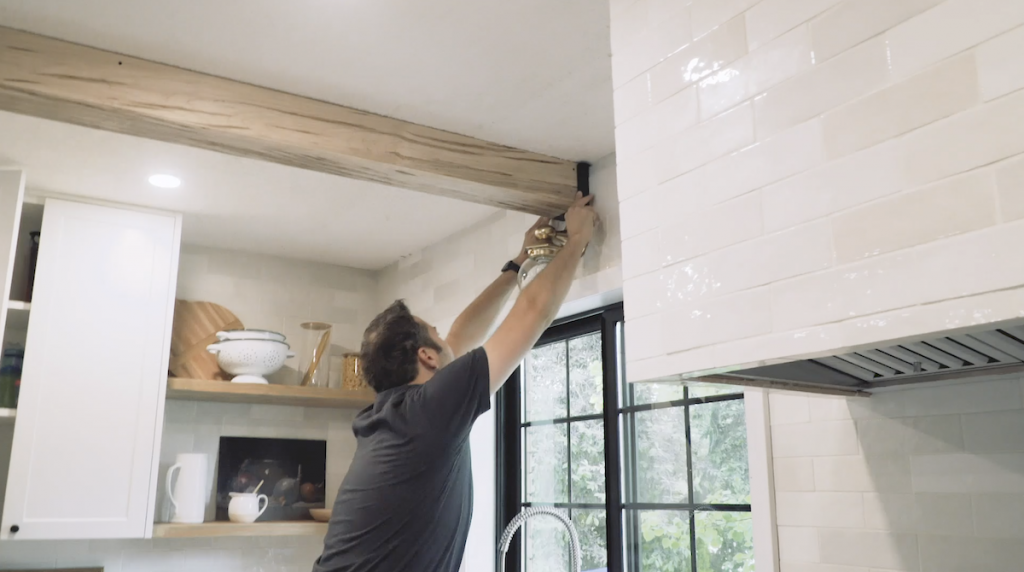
column 85, row 449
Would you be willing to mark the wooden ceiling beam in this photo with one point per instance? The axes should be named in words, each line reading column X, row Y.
column 53, row 79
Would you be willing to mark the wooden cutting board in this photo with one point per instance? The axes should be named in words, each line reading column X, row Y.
column 195, row 326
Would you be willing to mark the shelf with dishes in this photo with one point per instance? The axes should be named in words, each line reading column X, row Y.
column 266, row 394
column 214, row 529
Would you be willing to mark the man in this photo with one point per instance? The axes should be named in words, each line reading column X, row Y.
column 407, row 500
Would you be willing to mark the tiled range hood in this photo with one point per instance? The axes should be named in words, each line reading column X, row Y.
column 795, row 189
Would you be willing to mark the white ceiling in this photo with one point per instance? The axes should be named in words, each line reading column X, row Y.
column 234, row 203
column 533, row 74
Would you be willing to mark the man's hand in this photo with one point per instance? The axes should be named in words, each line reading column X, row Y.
column 580, row 220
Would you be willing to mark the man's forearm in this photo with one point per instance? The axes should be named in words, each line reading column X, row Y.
column 546, row 293
column 475, row 322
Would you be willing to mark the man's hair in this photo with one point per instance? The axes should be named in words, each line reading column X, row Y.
column 390, row 347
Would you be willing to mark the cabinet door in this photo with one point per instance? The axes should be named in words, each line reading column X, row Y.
column 86, row 439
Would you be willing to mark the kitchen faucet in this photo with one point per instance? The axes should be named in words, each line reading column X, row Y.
column 521, row 518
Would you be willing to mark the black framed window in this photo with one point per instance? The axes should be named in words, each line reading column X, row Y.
column 654, row 475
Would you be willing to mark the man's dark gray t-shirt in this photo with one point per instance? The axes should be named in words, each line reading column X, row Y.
column 407, row 500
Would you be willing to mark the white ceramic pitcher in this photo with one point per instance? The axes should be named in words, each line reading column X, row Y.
column 189, row 493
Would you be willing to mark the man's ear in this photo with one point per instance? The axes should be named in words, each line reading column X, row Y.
column 429, row 358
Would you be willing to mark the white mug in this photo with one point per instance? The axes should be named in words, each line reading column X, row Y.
column 245, row 507
column 188, row 495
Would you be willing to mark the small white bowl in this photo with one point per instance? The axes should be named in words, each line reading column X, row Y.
column 250, row 360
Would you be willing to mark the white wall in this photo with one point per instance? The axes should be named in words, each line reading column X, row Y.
column 264, row 292
column 802, row 176
column 439, row 281
column 918, row 480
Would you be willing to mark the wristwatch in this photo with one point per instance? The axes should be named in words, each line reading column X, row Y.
column 510, row 265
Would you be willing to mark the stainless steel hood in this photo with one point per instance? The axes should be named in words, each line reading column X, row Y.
column 957, row 356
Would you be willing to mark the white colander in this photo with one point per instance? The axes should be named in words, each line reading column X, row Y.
column 250, row 360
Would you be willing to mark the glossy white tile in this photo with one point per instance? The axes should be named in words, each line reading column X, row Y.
column 1010, row 182
column 641, row 254
column 835, row 186
column 819, row 439
column 701, row 58
column 632, row 99
column 999, row 515
column 820, row 509
column 692, row 234
column 638, row 173
column 794, row 474
column 939, row 92
column 945, row 553
column 645, row 338
column 1001, row 64
column 967, row 473
column 856, row 473
column 798, row 544
column 641, row 213
column 769, row 65
column 763, row 163
column 948, row 29
column 887, row 550
column 833, row 83
column 769, row 19
column 665, row 33
column 954, row 206
column 710, row 14
column 889, row 511
column 853, row 21
column 994, row 432
column 706, row 323
column 656, row 124
column 706, row 142
column 788, row 408
column 968, row 140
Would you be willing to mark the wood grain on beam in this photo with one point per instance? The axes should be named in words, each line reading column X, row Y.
column 58, row 80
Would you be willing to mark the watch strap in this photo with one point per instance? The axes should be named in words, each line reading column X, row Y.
column 511, row 265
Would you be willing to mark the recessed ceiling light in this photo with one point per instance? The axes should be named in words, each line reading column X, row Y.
column 165, row 181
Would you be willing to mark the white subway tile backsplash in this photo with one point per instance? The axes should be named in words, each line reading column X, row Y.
column 889, row 511
column 710, row 14
column 1010, row 183
column 953, row 206
column 942, row 91
column 968, row 473
column 948, row 29
column 817, row 439
column 641, row 254
column 705, row 323
column 853, row 21
column 943, row 513
column 702, row 57
column 667, row 30
column 793, row 474
column 835, row 186
column 646, row 338
column 798, row 544
column 994, row 432
column 884, row 474
column 818, row 567
column 887, row 550
column 770, row 19
column 689, row 234
column 819, row 509
column 754, row 167
column 971, row 139
column 999, row 515
column 671, row 117
column 638, row 173
column 833, row 83
column 632, row 99
column 999, row 64
column 750, row 75
column 706, row 142
column 788, row 408
column 643, row 212
column 955, row 553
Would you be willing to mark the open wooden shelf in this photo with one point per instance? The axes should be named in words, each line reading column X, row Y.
column 209, row 529
column 227, row 392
